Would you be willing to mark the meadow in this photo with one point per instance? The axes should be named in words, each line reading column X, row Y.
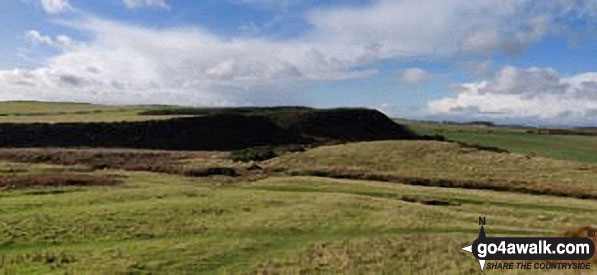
column 378, row 207
column 518, row 140
column 159, row 223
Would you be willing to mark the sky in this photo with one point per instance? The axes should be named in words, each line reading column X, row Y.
column 507, row 61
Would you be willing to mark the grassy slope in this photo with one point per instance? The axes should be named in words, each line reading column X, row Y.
column 159, row 223
column 396, row 160
column 171, row 224
column 53, row 112
column 565, row 147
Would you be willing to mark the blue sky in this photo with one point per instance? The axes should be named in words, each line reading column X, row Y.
column 510, row 61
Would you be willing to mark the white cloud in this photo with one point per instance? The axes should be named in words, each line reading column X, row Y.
column 524, row 94
column 131, row 64
column 37, row 37
column 127, row 64
column 433, row 27
column 146, row 3
column 61, row 41
column 56, row 6
column 413, row 76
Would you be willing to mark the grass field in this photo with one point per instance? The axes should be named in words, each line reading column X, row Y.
column 158, row 224
column 55, row 112
column 565, row 147
column 383, row 207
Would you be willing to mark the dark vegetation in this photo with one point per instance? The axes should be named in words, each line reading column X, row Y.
column 344, row 124
column 430, row 202
column 94, row 158
column 479, row 147
column 582, row 131
column 168, row 162
column 262, row 153
column 55, row 180
column 219, row 132
column 214, row 129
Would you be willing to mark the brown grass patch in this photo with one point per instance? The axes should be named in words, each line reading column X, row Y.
column 195, row 164
column 56, row 180
column 96, row 158
column 491, row 184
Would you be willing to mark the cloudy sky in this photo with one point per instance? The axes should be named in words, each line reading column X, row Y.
column 511, row 61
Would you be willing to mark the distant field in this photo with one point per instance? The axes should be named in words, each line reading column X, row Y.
column 54, row 112
column 41, row 108
column 565, row 147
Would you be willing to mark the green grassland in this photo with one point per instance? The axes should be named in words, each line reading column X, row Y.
column 34, row 107
column 444, row 164
column 566, row 147
column 279, row 223
column 383, row 207
column 157, row 223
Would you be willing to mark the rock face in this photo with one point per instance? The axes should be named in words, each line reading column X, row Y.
column 219, row 131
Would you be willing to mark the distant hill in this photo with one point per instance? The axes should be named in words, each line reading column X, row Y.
column 212, row 129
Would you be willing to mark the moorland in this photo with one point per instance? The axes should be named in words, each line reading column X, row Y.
column 342, row 191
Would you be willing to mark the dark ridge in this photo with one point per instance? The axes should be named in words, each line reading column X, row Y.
column 345, row 124
column 342, row 124
column 224, row 129
column 218, row 132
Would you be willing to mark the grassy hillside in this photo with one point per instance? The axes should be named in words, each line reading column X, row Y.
column 381, row 207
column 157, row 223
column 443, row 164
column 565, row 147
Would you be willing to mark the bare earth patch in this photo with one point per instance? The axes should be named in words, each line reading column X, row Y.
column 56, row 180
